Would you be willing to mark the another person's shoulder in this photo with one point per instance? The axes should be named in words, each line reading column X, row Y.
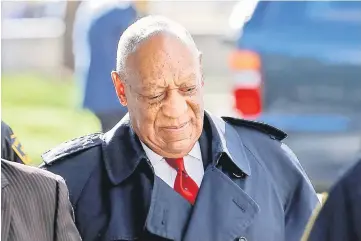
column 6, row 133
column 353, row 173
column 348, row 184
column 11, row 147
column 5, row 129
column 19, row 173
column 346, row 187
column 341, row 213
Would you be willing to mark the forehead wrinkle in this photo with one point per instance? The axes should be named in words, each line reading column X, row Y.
column 164, row 60
column 163, row 44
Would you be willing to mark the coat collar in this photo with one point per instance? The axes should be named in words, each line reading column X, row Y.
column 123, row 151
column 225, row 139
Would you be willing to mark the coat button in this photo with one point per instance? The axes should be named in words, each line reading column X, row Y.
column 239, row 175
column 240, row 239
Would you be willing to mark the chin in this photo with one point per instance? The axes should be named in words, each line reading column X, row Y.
column 181, row 146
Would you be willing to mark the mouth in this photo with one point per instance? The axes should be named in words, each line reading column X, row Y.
column 178, row 127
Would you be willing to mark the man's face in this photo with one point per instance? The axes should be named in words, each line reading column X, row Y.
column 164, row 95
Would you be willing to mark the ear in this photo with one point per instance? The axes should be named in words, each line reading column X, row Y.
column 119, row 88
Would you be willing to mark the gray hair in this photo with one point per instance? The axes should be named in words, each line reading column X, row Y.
column 142, row 30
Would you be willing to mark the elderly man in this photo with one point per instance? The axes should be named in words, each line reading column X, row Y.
column 34, row 205
column 170, row 170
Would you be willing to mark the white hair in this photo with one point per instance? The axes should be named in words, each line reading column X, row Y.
column 142, row 30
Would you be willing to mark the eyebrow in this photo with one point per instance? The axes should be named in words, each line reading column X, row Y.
column 186, row 77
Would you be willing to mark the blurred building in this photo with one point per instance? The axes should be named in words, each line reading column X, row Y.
column 33, row 27
column 30, row 28
column 32, row 35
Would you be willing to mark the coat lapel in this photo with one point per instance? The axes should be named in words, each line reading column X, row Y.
column 168, row 213
column 222, row 210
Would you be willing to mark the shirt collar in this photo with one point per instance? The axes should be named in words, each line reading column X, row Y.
column 122, row 149
column 196, row 152
column 154, row 158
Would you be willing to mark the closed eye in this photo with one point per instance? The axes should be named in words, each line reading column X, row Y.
column 189, row 90
column 154, row 97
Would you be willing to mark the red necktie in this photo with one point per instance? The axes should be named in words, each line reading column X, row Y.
column 183, row 184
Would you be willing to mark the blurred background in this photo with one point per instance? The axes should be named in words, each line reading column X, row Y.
column 295, row 65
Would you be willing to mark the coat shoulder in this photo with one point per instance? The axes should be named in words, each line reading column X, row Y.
column 267, row 129
column 72, row 147
column 75, row 161
column 266, row 143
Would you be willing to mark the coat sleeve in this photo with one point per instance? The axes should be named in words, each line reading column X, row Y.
column 301, row 201
column 65, row 229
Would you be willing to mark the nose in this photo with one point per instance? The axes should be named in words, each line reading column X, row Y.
column 175, row 104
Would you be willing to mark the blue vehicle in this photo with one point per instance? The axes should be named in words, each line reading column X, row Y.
column 297, row 66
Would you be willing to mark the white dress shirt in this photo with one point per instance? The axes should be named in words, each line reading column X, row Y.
column 192, row 163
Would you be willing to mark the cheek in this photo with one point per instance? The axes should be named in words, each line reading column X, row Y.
column 196, row 103
column 148, row 116
column 142, row 116
column 196, row 107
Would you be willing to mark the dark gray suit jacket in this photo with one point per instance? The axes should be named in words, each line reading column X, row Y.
column 34, row 205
